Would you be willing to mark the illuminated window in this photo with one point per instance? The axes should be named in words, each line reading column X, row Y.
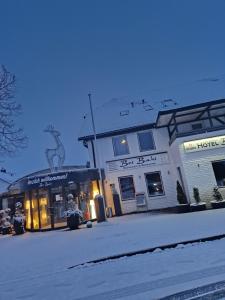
column 146, row 141
column 127, row 188
column 120, row 145
column 154, row 184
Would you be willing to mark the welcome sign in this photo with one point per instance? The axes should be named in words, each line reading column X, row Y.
column 59, row 178
column 205, row 144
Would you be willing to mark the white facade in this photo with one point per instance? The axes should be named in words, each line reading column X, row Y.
column 197, row 166
column 120, row 166
column 202, row 126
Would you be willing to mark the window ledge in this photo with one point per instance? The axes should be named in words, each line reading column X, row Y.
column 156, row 197
column 129, row 200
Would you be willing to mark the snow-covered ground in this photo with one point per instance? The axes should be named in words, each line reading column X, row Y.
column 35, row 265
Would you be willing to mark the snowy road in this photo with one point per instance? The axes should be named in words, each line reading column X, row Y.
column 35, row 266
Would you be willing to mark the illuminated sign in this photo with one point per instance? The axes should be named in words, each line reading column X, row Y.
column 205, row 144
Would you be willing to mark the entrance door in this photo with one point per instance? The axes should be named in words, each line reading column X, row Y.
column 59, row 206
column 45, row 220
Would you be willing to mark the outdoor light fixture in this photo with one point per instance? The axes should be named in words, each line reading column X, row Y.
column 123, row 141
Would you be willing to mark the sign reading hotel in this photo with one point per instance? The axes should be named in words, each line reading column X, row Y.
column 138, row 161
column 205, row 144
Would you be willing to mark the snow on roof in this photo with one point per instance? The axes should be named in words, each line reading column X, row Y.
column 119, row 114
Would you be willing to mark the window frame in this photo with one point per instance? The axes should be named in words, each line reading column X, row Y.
column 217, row 161
column 152, row 196
column 153, row 139
column 128, row 199
column 122, row 135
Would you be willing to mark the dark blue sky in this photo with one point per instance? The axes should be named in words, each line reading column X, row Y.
column 61, row 50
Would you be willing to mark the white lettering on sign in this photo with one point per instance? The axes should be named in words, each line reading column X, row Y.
column 205, row 144
column 139, row 161
column 46, row 179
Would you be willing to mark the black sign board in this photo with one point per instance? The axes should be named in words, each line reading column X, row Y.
column 59, row 178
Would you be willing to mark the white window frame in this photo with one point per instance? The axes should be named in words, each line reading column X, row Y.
column 128, row 199
column 153, row 139
column 114, row 152
column 153, row 196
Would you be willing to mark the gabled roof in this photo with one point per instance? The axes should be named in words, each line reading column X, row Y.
column 161, row 118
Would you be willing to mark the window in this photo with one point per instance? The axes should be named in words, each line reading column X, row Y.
column 219, row 171
column 146, row 141
column 120, row 145
column 154, row 184
column 127, row 188
column 196, row 126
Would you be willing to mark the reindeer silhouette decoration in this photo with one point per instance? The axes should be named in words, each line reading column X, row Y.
column 58, row 152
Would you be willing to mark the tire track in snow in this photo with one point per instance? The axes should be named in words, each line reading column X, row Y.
column 148, row 286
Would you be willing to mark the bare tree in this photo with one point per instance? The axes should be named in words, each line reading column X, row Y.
column 11, row 138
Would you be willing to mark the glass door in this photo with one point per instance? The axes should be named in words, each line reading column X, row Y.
column 59, row 207
column 45, row 220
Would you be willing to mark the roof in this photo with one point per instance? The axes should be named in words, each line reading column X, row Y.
column 117, row 115
column 155, row 118
column 118, row 132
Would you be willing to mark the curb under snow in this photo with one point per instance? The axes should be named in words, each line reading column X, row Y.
column 149, row 250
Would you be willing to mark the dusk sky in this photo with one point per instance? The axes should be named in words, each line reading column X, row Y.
column 124, row 50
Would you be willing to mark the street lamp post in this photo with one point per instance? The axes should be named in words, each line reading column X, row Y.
column 96, row 151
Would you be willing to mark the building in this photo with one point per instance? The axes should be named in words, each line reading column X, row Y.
column 44, row 195
column 144, row 162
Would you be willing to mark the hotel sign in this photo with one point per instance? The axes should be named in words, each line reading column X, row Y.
column 205, row 144
column 138, row 161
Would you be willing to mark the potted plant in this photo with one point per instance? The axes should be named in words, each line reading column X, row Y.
column 19, row 219
column 183, row 206
column 5, row 225
column 218, row 202
column 73, row 215
column 198, row 205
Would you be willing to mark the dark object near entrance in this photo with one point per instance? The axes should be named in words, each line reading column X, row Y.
column 181, row 197
column 73, row 220
column 6, row 230
column 117, row 205
column 100, row 208
column 183, row 208
column 18, row 225
column 116, row 201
